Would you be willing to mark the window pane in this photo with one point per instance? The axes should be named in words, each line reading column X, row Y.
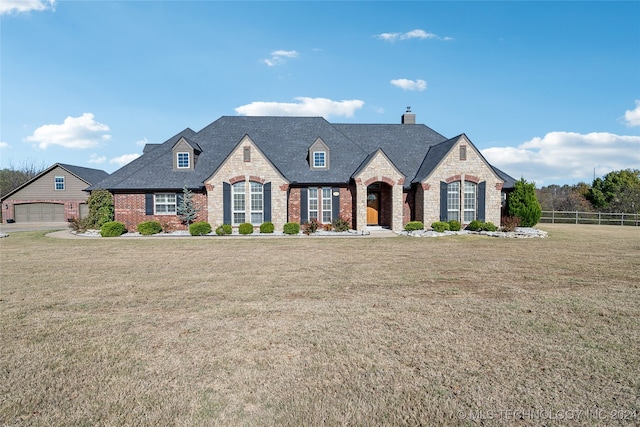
column 183, row 160
column 453, row 201
column 257, row 203
column 239, row 203
column 469, row 201
column 326, row 205
column 318, row 159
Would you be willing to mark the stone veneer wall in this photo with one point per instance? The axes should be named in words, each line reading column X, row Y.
column 130, row 210
column 258, row 169
column 475, row 169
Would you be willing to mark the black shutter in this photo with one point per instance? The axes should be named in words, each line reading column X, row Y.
column 335, row 203
column 266, row 194
column 148, row 204
column 304, row 206
column 226, row 203
column 443, row 201
column 482, row 190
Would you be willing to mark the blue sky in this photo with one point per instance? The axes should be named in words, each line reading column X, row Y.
column 548, row 91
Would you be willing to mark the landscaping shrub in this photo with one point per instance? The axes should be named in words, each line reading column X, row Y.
column 149, row 227
column 291, row 228
column 414, row 226
column 79, row 225
column 475, row 225
column 341, row 225
column 489, row 226
column 310, row 227
column 510, row 223
column 200, row 228
column 327, row 227
column 455, row 225
column 101, row 210
column 245, row 228
column 112, row 229
column 522, row 202
column 440, row 226
column 267, row 227
column 224, row 229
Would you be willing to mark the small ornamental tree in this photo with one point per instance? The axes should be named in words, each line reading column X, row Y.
column 522, row 202
column 186, row 210
column 100, row 209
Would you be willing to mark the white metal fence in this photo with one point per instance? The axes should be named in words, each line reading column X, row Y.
column 600, row 218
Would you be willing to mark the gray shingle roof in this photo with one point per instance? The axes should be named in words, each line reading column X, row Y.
column 285, row 141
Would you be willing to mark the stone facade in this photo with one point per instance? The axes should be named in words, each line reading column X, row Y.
column 247, row 166
column 380, row 169
column 458, row 167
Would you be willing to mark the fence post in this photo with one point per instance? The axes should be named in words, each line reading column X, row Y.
column 599, row 218
column 553, row 217
column 576, row 217
column 622, row 219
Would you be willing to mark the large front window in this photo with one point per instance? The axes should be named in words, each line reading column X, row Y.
column 453, row 201
column 165, row 204
column 469, row 201
column 257, row 203
column 238, row 191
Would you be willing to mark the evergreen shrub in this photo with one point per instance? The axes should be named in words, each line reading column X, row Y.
column 291, row 228
column 148, row 228
column 440, row 226
column 245, row 228
column 414, row 226
column 200, row 228
column 112, row 229
column 267, row 227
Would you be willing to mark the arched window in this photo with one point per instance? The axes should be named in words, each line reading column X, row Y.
column 470, row 201
column 239, row 204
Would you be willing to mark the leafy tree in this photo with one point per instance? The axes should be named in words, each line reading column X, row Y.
column 522, row 203
column 12, row 177
column 100, row 208
column 186, row 209
column 564, row 198
column 618, row 191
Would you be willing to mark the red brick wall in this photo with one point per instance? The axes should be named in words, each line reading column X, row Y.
column 130, row 210
column 347, row 204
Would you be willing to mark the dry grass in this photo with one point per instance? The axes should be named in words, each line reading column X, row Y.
column 288, row 331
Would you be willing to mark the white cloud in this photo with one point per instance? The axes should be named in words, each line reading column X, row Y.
column 567, row 156
column 9, row 6
column 632, row 117
column 124, row 159
column 413, row 34
column 76, row 132
column 4, row 145
column 305, row 107
column 144, row 141
column 406, row 84
column 278, row 57
column 97, row 159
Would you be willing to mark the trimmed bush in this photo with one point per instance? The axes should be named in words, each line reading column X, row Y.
column 245, row 228
column 475, row 225
column 440, row 226
column 489, row 226
column 267, row 227
column 455, row 225
column 200, row 228
column 414, row 226
column 224, row 229
column 291, row 228
column 341, row 225
column 148, row 228
column 112, row 229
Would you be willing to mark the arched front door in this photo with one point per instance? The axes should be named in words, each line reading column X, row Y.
column 373, row 208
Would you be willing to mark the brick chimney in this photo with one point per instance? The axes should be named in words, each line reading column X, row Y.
column 408, row 118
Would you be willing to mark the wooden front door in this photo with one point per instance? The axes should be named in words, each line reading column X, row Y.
column 373, row 207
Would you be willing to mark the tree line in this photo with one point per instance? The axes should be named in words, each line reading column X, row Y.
column 617, row 191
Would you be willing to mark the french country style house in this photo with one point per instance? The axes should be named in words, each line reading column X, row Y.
column 293, row 169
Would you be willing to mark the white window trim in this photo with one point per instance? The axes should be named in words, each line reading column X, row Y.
column 473, row 206
column 451, row 210
column 188, row 160
column 254, row 210
column 243, row 211
column 329, row 208
column 310, row 199
column 55, row 183
column 320, row 200
column 166, row 203
column 324, row 160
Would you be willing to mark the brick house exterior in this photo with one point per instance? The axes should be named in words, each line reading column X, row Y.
column 293, row 169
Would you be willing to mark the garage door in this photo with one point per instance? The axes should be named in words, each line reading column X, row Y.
column 39, row 212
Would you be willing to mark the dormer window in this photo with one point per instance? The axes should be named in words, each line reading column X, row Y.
column 183, row 160
column 319, row 159
column 319, row 155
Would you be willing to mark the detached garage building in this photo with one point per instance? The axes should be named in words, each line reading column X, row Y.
column 55, row 195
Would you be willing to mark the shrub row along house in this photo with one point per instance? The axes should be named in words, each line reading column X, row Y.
column 293, row 169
